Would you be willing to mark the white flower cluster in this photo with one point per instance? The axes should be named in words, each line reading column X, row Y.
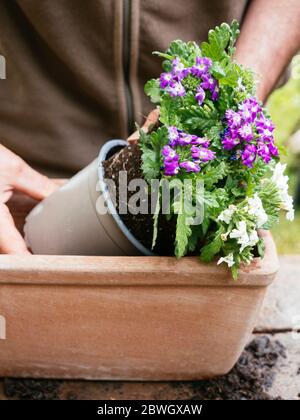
column 244, row 235
column 229, row 260
column 226, row 215
column 281, row 182
column 255, row 208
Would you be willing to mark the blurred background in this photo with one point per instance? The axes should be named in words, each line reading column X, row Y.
column 284, row 107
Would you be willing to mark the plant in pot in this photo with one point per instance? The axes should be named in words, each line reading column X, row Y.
column 209, row 165
column 202, row 178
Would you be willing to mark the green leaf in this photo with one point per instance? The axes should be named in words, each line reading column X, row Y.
column 155, row 220
column 271, row 202
column 261, row 247
column 214, row 174
column 169, row 111
column 218, row 70
column 163, row 55
column 150, row 165
column 183, row 233
column 209, row 251
column 152, row 89
column 180, row 49
column 235, row 31
column 151, row 146
column 214, row 134
column 218, row 40
column 199, row 118
column 197, row 233
column 183, row 225
column 232, row 74
column 235, row 272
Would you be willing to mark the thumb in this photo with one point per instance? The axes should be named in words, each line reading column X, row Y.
column 32, row 183
column 151, row 120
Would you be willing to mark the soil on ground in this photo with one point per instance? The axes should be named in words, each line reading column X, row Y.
column 250, row 379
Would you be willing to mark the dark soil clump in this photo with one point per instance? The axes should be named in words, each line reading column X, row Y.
column 140, row 225
column 31, row 389
column 250, row 378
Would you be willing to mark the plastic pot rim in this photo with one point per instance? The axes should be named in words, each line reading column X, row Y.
column 105, row 149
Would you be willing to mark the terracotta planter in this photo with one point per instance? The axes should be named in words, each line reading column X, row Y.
column 130, row 318
column 68, row 223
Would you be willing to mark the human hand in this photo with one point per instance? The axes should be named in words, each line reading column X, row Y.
column 151, row 120
column 15, row 174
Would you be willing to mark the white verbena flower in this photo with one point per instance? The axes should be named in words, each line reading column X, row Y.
column 224, row 236
column 228, row 260
column 281, row 182
column 278, row 176
column 226, row 215
column 243, row 238
column 253, row 238
column 240, row 86
column 256, row 209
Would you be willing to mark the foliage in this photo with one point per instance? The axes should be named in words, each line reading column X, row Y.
column 238, row 195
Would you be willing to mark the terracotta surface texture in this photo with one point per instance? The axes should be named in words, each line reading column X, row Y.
column 129, row 318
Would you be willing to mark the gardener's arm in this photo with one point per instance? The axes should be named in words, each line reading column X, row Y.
column 269, row 38
column 15, row 174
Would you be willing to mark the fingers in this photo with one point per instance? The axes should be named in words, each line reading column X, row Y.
column 33, row 183
column 16, row 174
column 11, row 241
column 151, row 120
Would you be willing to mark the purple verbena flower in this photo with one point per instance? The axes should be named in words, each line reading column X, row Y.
column 169, row 154
column 174, row 135
column 273, row 149
column 202, row 154
column 246, row 132
column 234, row 119
column 249, row 155
column 263, row 152
column 215, row 92
column 208, row 82
column 190, row 166
column 251, row 130
column 175, row 89
column 211, row 84
column 200, row 95
column 204, row 62
column 171, row 168
column 229, row 141
column 178, row 70
column 263, row 122
column 200, row 141
column 201, row 67
column 245, row 112
column 171, row 161
column 253, row 106
column 177, row 66
column 266, row 134
column 186, row 139
column 165, row 80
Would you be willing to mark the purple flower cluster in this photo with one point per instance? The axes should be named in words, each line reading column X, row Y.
column 171, row 82
column 250, row 133
column 198, row 147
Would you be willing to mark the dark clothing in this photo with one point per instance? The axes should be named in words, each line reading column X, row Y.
column 76, row 69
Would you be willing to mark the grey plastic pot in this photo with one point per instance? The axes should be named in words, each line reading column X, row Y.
column 68, row 223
